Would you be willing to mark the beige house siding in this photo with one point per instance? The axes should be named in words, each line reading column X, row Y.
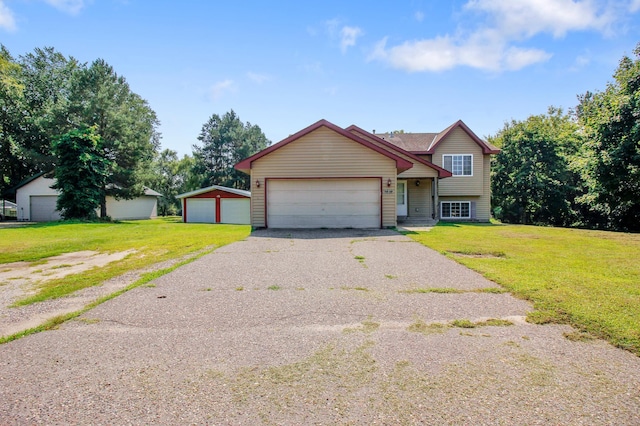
column 459, row 142
column 420, row 203
column 323, row 153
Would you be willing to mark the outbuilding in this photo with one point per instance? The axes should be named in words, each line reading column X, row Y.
column 36, row 202
column 216, row 204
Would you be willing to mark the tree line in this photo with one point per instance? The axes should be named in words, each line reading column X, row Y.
column 577, row 169
column 82, row 124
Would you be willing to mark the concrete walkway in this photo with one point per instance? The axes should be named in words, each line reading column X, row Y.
column 315, row 327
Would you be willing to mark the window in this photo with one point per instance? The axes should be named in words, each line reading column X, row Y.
column 455, row 209
column 458, row 165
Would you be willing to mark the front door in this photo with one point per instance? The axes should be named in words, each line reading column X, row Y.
column 401, row 198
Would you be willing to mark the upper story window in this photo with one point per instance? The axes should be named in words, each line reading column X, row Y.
column 458, row 164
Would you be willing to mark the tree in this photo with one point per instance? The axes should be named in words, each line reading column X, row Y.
column 81, row 173
column 11, row 89
column 611, row 154
column 126, row 123
column 532, row 177
column 33, row 110
column 226, row 141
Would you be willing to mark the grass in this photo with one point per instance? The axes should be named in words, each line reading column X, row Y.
column 154, row 241
column 589, row 279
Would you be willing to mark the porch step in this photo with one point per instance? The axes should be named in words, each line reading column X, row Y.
column 417, row 221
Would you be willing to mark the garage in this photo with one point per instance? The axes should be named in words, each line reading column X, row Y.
column 216, row 204
column 324, row 203
column 43, row 208
column 201, row 210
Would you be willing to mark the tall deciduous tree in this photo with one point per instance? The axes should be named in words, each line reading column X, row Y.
column 225, row 141
column 34, row 98
column 611, row 156
column 11, row 98
column 126, row 123
column 532, row 178
column 81, row 173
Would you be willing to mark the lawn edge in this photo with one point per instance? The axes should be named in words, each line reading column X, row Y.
column 55, row 322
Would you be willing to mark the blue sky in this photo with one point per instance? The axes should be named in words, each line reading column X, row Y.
column 413, row 65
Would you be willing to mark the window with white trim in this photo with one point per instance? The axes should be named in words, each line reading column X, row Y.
column 458, row 164
column 455, row 210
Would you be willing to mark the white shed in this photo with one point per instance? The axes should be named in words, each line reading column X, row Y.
column 36, row 202
column 216, row 204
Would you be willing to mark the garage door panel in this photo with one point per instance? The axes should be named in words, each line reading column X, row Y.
column 235, row 210
column 324, row 203
column 201, row 210
column 43, row 208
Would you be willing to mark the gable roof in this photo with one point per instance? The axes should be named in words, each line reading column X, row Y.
column 401, row 163
column 214, row 187
column 12, row 191
column 442, row 173
column 426, row 143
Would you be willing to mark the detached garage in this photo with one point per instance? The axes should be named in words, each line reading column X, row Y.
column 37, row 202
column 216, row 204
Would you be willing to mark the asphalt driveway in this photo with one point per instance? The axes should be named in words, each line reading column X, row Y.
column 315, row 327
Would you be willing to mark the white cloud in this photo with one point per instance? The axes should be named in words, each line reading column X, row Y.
column 258, row 78
column 220, row 88
column 72, row 7
column 419, row 16
column 348, row 37
column 7, row 21
column 634, row 6
column 526, row 18
column 444, row 53
column 494, row 40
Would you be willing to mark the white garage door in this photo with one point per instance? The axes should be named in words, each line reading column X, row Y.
column 235, row 210
column 201, row 210
column 323, row 203
column 43, row 208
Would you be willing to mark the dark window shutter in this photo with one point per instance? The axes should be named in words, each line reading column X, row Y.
column 473, row 210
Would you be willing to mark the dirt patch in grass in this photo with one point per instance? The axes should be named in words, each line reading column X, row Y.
column 20, row 279
column 58, row 266
column 494, row 255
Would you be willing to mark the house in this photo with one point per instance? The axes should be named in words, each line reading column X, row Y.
column 216, row 204
column 36, row 202
column 326, row 176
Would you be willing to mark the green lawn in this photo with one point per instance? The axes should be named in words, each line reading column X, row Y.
column 154, row 241
column 589, row 279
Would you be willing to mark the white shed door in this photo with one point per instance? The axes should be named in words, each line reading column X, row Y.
column 201, row 210
column 235, row 210
column 323, row 203
column 43, row 208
